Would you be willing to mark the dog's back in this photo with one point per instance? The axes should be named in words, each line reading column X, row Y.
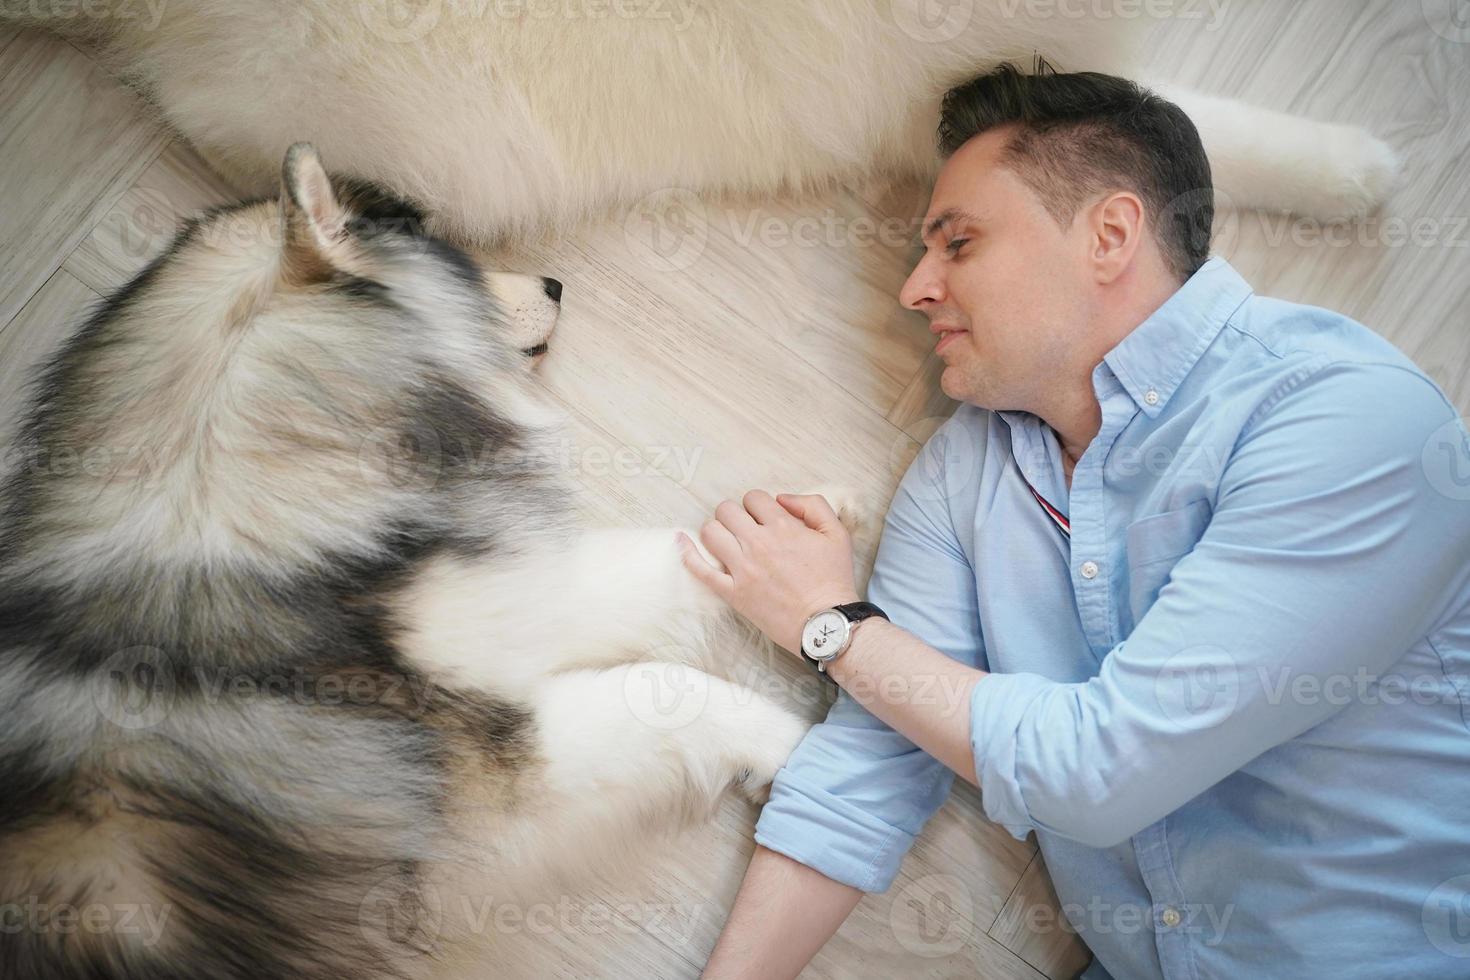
column 215, row 761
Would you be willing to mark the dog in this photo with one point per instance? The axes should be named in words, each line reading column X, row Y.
column 331, row 649
column 515, row 118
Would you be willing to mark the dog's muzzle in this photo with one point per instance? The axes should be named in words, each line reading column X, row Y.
column 552, row 288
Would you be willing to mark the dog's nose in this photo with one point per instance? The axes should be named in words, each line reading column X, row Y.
column 552, row 287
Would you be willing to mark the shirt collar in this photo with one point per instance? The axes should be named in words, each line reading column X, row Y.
column 1154, row 358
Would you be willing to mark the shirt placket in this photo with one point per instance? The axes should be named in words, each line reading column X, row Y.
column 1169, row 915
column 1090, row 568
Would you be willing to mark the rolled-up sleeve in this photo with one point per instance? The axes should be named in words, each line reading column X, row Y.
column 1333, row 547
column 855, row 793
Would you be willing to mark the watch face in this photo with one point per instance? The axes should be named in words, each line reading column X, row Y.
column 824, row 635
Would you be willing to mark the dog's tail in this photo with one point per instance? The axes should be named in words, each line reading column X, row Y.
column 1272, row 161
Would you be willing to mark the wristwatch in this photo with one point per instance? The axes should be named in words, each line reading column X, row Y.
column 828, row 634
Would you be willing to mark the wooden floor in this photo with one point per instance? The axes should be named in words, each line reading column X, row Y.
column 705, row 350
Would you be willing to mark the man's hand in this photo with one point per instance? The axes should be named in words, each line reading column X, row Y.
column 785, row 558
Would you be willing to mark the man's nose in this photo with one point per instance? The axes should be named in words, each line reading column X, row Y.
column 922, row 286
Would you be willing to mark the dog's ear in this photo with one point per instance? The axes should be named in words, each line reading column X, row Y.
column 316, row 238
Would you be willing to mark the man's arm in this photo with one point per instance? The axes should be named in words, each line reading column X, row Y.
column 913, row 688
column 1330, row 552
column 1332, row 548
column 853, row 795
column 785, row 911
column 898, row 679
column 783, row 914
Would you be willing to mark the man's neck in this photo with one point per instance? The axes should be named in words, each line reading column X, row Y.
column 1075, row 425
column 1076, row 416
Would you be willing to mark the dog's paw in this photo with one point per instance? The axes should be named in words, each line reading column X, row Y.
column 775, row 733
column 853, row 509
column 751, row 788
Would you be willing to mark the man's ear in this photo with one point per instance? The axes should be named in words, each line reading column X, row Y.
column 316, row 239
column 1117, row 232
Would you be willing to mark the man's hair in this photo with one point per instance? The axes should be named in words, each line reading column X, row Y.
column 1083, row 134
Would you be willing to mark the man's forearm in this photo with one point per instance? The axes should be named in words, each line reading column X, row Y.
column 786, row 558
column 786, row 911
column 912, row 687
column 783, row 914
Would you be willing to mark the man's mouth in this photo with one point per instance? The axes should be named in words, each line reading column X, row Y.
column 945, row 336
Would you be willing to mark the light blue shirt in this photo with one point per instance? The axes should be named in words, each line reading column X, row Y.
column 1235, row 707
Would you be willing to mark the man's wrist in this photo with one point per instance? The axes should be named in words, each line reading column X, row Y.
column 848, row 664
column 843, row 598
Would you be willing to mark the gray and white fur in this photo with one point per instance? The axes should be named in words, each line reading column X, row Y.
column 297, row 637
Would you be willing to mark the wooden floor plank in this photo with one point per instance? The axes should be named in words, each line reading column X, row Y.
column 73, row 141
column 53, row 312
column 145, row 218
column 1031, row 927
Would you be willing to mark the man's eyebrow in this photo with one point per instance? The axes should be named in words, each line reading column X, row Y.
column 947, row 216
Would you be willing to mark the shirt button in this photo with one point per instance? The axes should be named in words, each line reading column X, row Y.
column 1089, row 569
column 1151, row 396
column 1170, row 917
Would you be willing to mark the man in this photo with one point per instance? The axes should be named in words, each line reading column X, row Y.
column 1183, row 586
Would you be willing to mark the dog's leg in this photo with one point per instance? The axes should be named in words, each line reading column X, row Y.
column 622, row 754
column 605, row 597
column 1278, row 162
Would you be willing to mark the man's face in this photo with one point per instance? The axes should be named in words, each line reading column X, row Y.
column 1002, row 273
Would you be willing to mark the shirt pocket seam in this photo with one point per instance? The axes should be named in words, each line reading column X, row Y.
column 1180, row 530
column 1171, row 548
column 1460, row 692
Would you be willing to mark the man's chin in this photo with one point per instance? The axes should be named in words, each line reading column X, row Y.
column 961, row 386
column 955, row 384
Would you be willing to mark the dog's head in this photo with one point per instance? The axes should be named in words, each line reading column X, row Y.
column 295, row 376
column 348, row 235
